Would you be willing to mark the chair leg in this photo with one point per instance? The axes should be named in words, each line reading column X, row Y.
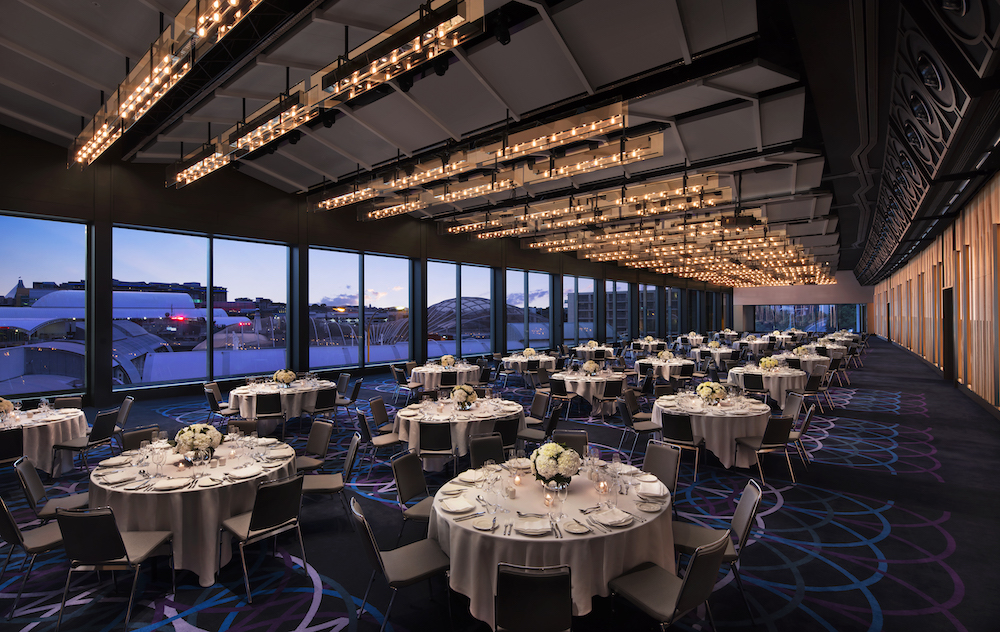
column 62, row 606
column 711, row 619
column 21, row 589
column 131, row 596
column 697, row 453
column 801, row 449
column 301, row 544
column 385, row 621
column 789, row 461
column 246, row 577
column 364, row 599
column 760, row 466
column 743, row 592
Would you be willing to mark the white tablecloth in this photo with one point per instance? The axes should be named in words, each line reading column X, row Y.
column 464, row 424
column 730, row 336
column 661, row 368
column 590, row 388
column 193, row 515
column 43, row 431
column 835, row 350
column 811, row 363
column 777, row 383
column 520, row 363
column 694, row 341
column 718, row 355
column 430, row 376
column 299, row 397
column 594, row 558
column 755, row 345
column 720, row 428
column 650, row 346
column 587, row 353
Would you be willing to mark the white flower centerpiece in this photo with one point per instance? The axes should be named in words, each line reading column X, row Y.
column 711, row 392
column 768, row 364
column 447, row 360
column 776, row 332
column 199, row 438
column 593, row 344
column 751, row 337
column 649, row 339
column 714, row 344
column 590, row 367
column 284, row 377
column 464, row 396
column 6, row 408
column 800, row 351
column 665, row 355
column 727, row 330
column 528, row 352
column 554, row 463
column 692, row 333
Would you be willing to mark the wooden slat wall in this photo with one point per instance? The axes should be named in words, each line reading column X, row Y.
column 964, row 257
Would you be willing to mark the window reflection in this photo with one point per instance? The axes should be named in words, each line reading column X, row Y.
column 812, row 318
column 386, row 313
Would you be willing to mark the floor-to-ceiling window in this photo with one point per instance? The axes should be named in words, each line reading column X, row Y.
column 386, row 309
column 160, row 306
column 42, row 306
column 527, row 309
column 539, row 305
column 476, row 309
column 647, row 310
column 335, row 329
column 578, row 310
column 250, row 293
column 442, row 309
column 673, row 311
column 617, row 310
column 815, row 318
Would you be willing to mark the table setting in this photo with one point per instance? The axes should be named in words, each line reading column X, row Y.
column 519, row 361
column 297, row 396
column 429, row 375
column 189, row 487
column 811, row 363
column 554, row 507
column 42, row 428
column 715, row 349
column 589, row 351
column 720, row 414
column 778, row 379
column 693, row 338
column 667, row 367
column 589, row 383
column 755, row 344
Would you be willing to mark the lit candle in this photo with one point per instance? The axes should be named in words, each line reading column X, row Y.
column 548, row 498
column 602, row 487
column 180, row 466
column 517, row 479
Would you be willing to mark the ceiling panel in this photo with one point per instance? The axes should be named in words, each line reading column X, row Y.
column 754, row 79
column 291, row 172
column 328, row 161
column 781, row 117
column 53, row 84
column 133, row 23
column 226, row 110
column 52, row 116
column 721, row 132
column 263, row 80
column 459, row 99
column 710, row 23
column 357, row 141
column 401, row 122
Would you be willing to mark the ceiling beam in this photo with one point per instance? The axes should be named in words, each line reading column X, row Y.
column 43, row 98
column 284, row 151
column 322, row 16
column 159, row 7
column 557, row 36
column 271, row 60
column 329, row 144
column 486, row 83
column 96, row 38
column 246, row 164
column 680, row 36
column 54, row 65
column 423, row 110
column 243, row 93
column 752, row 98
column 40, row 125
column 349, row 112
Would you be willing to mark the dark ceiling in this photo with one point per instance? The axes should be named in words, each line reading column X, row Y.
column 787, row 106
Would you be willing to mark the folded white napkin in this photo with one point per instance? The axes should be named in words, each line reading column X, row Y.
column 173, row 458
column 246, row 472
column 652, row 489
column 120, row 477
column 209, row 481
column 613, row 517
column 470, row 476
column 534, row 525
column 282, row 451
column 165, row 484
column 116, row 461
column 456, row 504
column 267, row 441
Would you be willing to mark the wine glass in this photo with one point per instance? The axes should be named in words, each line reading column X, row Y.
column 562, row 493
column 159, row 456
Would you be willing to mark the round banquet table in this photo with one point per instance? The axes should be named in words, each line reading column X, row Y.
column 777, row 382
column 694, row 341
column 835, row 350
column 299, row 397
column 720, row 426
column 811, row 363
column 649, row 346
column 587, row 353
column 520, row 363
column 193, row 515
column 479, row 420
column 665, row 369
column 594, row 558
column 756, row 346
column 430, row 376
column 590, row 387
column 729, row 336
column 43, row 430
column 845, row 338
column 718, row 355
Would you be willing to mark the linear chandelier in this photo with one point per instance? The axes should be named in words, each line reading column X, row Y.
column 200, row 24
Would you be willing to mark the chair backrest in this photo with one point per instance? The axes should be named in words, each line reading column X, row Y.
column 659, row 390
column 808, row 420
column 560, row 363
column 343, row 382
column 542, row 376
column 776, row 432
column 485, row 373
column 507, row 428
column 11, row 444
column 793, row 363
column 822, row 351
column 598, row 354
column 326, row 399
column 319, row 438
column 246, row 426
column 713, row 374
column 624, row 412
column 277, row 503
column 533, row 599
column 31, row 483
column 676, row 427
column 613, row 388
column 366, row 432
column 532, row 365
column 9, row 530
column 702, row 573
column 408, row 473
column 555, row 415
column 408, row 367
column 379, row 415
column 687, row 370
column 133, row 439
column 104, row 426
column 813, row 383
column 575, row 439
column 631, row 401
column 449, row 378
column 268, row 405
column 539, row 404
column 745, row 512
column 213, row 402
column 661, row 346
column 834, row 365
column 399, row 374
column 435, row 436
column 352, row 453
column 484, row 447
column 663, row 461
column 124, row 409
column 357, row 389
column 67, row 402
column 753, row 381
column 557, row 387
column 90, row 536
column 793, row 406
column 367, row 536
column 648, row 382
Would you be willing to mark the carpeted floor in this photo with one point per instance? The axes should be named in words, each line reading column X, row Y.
column 888, row 529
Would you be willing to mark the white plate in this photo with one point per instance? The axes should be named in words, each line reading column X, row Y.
column 613, row 518
column 408, row 413
column 209, row 481
column 482, row 414
column 452, row 491
column 116, row 461
column 646, row 478
column 573, row 527
column 649, row 507
column 120, row 477
column 484, row 524
column 167, row 484
column 470, row 476
column 246, row 472
column 456, row 505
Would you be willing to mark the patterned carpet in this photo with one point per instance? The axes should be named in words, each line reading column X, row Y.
column 879, row 533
